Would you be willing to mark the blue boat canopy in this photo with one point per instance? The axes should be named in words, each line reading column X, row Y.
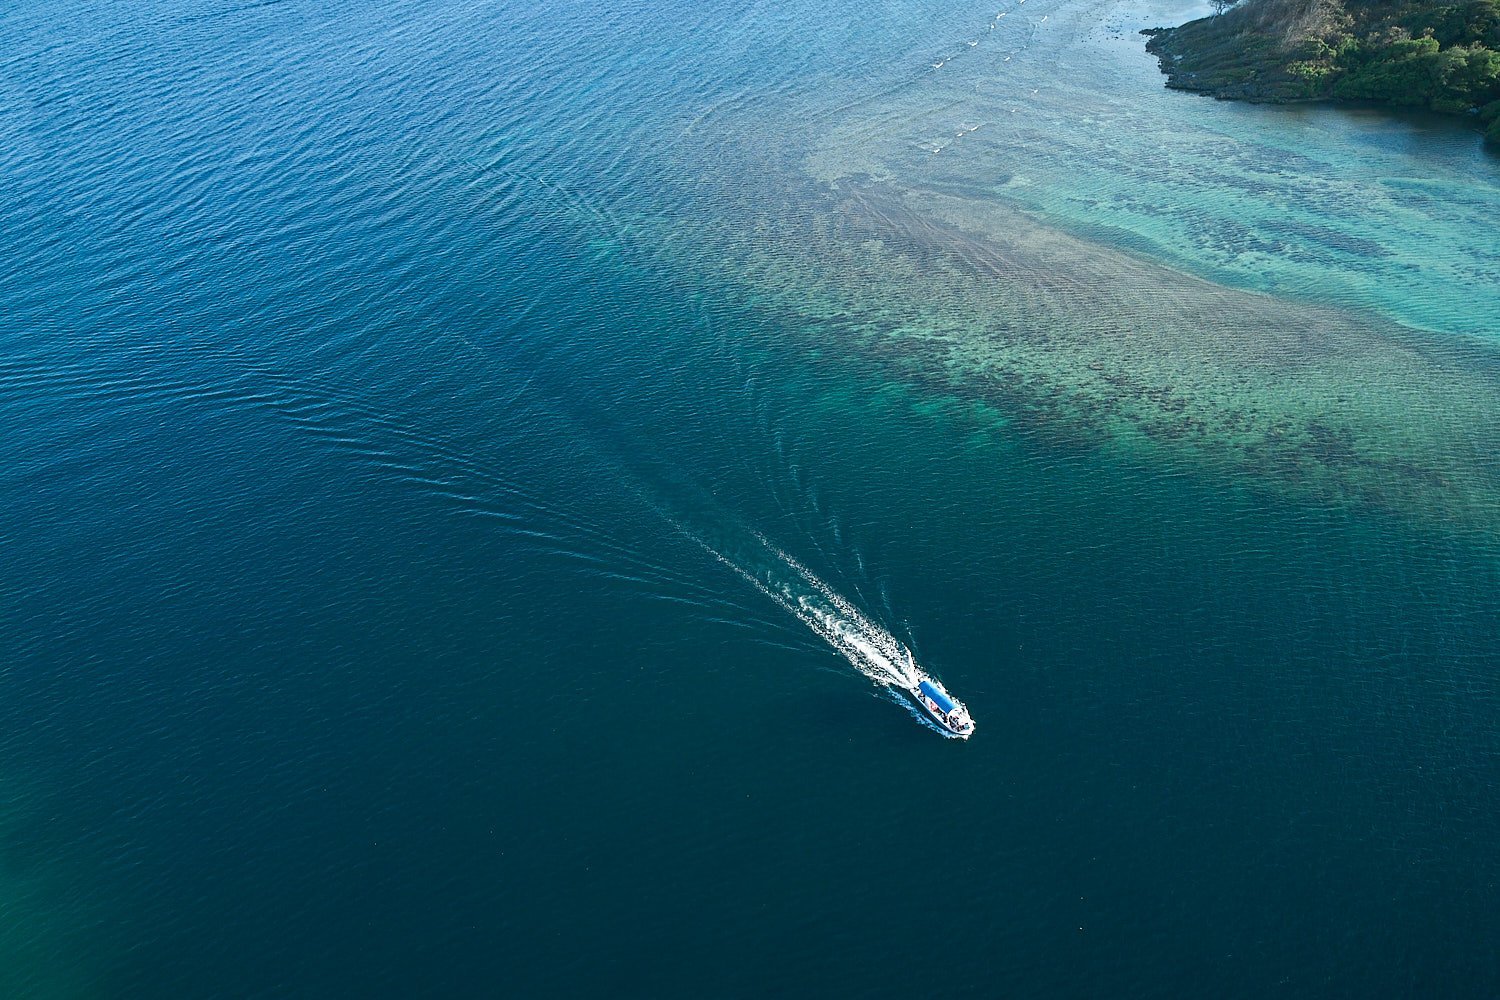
column 942, row 700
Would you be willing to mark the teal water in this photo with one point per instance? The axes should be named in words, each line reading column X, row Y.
column 416, row 416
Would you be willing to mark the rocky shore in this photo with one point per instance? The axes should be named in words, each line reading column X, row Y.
column 1444, row 58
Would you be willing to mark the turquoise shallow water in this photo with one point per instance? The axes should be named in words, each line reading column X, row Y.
column 392, row 394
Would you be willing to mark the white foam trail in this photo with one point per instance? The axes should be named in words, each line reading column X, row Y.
column 870, row 649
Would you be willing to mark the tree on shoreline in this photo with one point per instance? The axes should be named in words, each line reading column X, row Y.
column 1443, row 55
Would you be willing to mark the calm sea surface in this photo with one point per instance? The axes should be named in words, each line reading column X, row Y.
column 464, row 463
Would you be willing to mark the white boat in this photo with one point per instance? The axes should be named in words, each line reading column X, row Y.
column 946, row 710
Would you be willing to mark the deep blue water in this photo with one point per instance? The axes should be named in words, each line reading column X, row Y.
column 415, row 414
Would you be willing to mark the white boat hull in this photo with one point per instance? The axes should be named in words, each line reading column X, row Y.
column 943, row 719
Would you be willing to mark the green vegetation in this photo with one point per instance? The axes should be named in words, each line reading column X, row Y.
column 1410, row 53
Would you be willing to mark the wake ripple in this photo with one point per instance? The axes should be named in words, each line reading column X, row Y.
column 869, row 648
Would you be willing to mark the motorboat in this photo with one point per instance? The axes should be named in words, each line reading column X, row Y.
column 946, row 710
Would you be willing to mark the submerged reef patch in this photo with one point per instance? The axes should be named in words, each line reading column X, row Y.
column 1087, row 345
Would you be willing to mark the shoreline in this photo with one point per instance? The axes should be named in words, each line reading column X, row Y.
column 1265, row 52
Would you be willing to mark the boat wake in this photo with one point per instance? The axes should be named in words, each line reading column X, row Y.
column 865, row 645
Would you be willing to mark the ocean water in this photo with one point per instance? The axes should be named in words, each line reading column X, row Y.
column 465, row 466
